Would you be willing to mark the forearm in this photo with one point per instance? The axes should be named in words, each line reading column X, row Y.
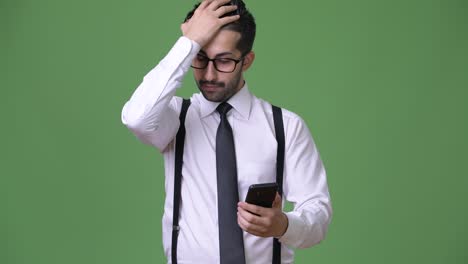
column 149, row 113
column 308, row 225
column 305, row 185
column 308, row 190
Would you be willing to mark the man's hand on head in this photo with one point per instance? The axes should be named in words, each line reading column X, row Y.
column 261, row 221
column 206, row 20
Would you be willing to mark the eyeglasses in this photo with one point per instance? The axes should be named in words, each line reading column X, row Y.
column 226, row 65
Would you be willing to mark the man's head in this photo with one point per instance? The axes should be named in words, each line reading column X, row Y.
column 231, row 46
column 245, row 25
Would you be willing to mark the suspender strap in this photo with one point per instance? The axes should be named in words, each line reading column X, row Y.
column 279, row 131
column 179, row 152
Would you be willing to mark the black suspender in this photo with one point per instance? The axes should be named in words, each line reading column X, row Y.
column 179, row 151
column 279, row 131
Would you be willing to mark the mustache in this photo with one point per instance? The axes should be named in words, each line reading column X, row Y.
column 203, row 82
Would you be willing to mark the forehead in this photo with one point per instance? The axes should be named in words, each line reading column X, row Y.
column 223, row 41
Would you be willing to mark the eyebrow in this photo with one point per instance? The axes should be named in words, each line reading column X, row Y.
column 217, row 55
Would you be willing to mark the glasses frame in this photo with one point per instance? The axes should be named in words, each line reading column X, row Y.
column 215, row 65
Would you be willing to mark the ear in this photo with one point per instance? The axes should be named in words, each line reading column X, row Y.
column 248, row 60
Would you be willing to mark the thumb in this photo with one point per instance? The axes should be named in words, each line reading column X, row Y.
column 277, row 201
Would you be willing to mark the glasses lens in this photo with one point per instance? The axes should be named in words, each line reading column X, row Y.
column 225, row 65
column 200, row 62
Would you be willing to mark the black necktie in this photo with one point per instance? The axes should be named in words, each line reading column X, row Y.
column 231, row 243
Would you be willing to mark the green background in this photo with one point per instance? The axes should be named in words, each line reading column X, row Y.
column 381, row 84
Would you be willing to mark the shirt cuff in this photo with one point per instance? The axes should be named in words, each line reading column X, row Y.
column 293, row 231
column 179, row 57
column 195, row 46
column 181, row 49
column 186, row 47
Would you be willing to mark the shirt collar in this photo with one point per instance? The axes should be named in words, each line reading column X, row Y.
column 241, row 102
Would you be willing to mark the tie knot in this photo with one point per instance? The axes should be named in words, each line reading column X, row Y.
column 223, row 108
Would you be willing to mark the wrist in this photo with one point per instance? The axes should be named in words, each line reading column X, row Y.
column 195, row 39
column 284, row 225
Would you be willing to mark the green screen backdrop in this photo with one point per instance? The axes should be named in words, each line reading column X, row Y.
column 382, row 86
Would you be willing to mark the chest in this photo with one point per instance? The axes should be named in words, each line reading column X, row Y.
column 255, row 148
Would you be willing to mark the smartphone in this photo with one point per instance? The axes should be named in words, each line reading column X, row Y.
column 262, row 194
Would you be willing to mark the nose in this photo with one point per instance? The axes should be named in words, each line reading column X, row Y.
column 210, row 72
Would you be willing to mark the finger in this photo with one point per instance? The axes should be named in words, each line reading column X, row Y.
column 244, row 224
column 248, row 227
column 229, row 19
column 255, row 209
column 241, row 225
column 204, row 4
column 215, row 4
column 225, row 9
column 249, row 217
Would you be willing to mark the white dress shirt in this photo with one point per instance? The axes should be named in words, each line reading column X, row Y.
column 152, row 114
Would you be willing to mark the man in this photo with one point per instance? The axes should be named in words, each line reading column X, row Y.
column 217, row 43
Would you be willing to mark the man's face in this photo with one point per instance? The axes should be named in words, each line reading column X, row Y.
column 214, row 85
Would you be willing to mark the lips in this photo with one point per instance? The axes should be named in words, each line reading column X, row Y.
column 210, row 87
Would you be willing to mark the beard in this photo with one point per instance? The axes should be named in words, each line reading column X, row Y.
column 219, row 91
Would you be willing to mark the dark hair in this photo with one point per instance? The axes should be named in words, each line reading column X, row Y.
column 245, row 25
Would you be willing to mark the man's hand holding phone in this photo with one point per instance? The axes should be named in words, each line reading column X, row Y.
column 207, row 20
column 262, row 221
